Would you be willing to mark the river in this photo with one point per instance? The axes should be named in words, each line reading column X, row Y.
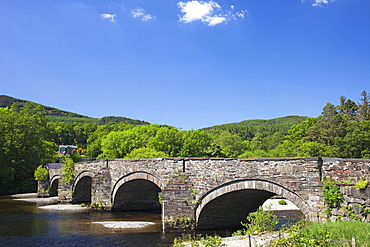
column 26, row 223
column 23, row 223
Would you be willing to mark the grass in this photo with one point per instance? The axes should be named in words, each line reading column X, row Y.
column 343, row 230
column 328, row 234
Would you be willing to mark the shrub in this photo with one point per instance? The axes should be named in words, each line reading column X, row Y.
column 282, row 202
column 298, row 236
column 360, row 185
column 68, row 169
column 212, row 241
column 41, row 173
column 259, row 221
column 331, row 193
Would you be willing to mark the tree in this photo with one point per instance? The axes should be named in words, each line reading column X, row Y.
column 289, row 147
column 24, row 145
column 141, row 153
column 118, row 144
column 95, row 138
column 168, row 140
column 364, row 106
column 329, row 125
column 196, row 143
column 231, row 145
column 348, row 107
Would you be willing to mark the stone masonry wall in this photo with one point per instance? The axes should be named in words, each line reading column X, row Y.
column 346, row 173
column 185, row 181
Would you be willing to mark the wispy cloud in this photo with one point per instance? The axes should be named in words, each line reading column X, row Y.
column 141, row 14
column 110, row 17
column 319, row 3
column 209, row 12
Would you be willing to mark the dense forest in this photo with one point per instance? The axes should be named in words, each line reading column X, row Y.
column 28, row 138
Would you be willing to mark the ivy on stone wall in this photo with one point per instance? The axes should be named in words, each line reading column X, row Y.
column 333, row 197
column 68, row 169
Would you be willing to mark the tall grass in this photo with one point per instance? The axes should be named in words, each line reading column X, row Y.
column 342, row 230
column 328, row 234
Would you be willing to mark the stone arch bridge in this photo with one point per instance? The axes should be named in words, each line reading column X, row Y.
column 213, row 192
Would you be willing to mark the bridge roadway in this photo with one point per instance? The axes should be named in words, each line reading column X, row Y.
column 213, row 192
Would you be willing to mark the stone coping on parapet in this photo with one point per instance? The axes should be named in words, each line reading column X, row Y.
column 324, row 159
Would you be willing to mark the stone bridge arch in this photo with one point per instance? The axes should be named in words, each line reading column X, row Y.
column 81, row 187
column 136, row 191
column 229, row 204
column 54, row 184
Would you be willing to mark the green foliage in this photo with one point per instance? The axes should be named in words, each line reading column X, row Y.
column 328, row 234
column 68, row 169
column 230, row 144
column 167, row 140
column 212, row 241
column 301, row 237
column 249, row 128
column 197, row 241
column 51, row 114
column 112, row 119
column 71, row 133
column 361, row 184
column 141, row 153
column 70, row 119
column 282, row 202
column 195, row 143
column 183, row 222
column 160, row 199
column 41, row 173
column 24, row 145
column 331, row 193
column 259, row 221
column 351, row 213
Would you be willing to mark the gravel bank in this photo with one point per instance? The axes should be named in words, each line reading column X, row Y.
column 64, row 207
column 125, row 224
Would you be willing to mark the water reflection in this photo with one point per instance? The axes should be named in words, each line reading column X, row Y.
column 24, row 224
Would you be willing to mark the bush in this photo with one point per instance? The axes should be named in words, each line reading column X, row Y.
column 68, row 169
column 282, row 202
column 259, row 221
column 360, row 185
column 41, row 173
column 331, row 193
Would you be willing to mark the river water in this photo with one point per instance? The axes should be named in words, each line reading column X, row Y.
column 26, row 223
column 23, row 223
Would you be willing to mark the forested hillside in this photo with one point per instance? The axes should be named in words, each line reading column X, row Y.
column 27, row 139
column 55, row 115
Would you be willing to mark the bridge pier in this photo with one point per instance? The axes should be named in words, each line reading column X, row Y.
column 43, row 187
column 101, row 189
column 179, row 201
column 65, row 192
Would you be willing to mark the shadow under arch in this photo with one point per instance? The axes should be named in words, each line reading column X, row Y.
column 54, row 183
column 136, row 191
column 82, row 187
column 229, row 204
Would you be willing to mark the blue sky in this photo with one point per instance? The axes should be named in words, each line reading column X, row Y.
column 189, row 64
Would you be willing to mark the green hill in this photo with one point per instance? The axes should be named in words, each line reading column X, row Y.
column 56, row 115
column 250, row 128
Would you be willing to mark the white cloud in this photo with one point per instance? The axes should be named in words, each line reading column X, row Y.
column 140, row 13
column 319, row 3
column 214, row 20
column 109, row 16
column 209, row 13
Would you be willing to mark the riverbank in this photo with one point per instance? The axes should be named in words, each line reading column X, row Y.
column 260, row 240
